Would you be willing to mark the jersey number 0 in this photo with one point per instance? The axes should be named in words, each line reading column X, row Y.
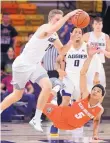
column 76, row 63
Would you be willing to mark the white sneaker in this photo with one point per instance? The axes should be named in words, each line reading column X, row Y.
column 36, row 124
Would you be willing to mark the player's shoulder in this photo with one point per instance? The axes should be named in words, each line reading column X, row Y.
column 41, row 31
column 42, row 27
column 102, row 108
column 106, row 35
column 100, row 113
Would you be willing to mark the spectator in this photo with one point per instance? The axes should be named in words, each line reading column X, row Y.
column 8, row 34
column 7, row 61
column 64, row 32
column 27, row 97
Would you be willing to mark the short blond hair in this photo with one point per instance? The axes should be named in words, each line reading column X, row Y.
column 53, row 12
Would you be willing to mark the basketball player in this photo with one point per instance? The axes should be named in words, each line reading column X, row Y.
column 101, row 40
column 80, row 112
column 75, row 57
column 28, row 66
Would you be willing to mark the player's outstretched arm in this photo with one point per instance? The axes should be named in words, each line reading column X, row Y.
column 50, row 29
column 60, row 66
column 96, row 66
column 62, row 49
column 83, row 72
column 96, row 123
column 83, row 78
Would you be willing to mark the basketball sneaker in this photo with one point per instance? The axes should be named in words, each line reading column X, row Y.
column 54, row 131
column 36, row 124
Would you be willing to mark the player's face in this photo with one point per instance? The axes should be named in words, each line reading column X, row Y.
column 56, row 18
column 96, row 93
column 76, row 34
column 97, row 26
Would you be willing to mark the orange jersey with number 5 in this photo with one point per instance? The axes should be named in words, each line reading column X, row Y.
column 71, row 117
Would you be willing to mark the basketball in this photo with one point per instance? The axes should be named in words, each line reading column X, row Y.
column 82, row 20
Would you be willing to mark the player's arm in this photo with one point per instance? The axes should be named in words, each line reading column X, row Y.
column 106, row 52
column 60, row 66
column 60, row 63
column 83, row 78
column 50, row 29
column 96, row 123
column 83, row 72
column 62, row 49
column 96, row 78
column 86, row 37
column 96, row 65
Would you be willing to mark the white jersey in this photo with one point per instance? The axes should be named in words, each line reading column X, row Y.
column 75, row 59
column 35, row 49
column 99, row 42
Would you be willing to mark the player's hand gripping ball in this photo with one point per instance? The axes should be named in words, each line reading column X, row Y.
column 81, row 20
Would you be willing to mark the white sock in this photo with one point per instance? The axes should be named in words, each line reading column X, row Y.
column 38, row 114
column 1, row 111
column 56, row 88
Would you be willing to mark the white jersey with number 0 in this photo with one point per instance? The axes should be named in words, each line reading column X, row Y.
column 75, row 59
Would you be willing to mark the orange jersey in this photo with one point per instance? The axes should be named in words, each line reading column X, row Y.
column 71, row 117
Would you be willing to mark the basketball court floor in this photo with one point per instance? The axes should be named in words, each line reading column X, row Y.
column 24, row 133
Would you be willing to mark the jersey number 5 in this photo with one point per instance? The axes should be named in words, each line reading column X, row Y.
column 76, row 63
column 79, row 115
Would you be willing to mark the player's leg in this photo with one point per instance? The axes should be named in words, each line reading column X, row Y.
column 40, row 76
column 19, row 80
column 56, row 86
column 15, row 96
column 67, row 91
column 46, row 86
column 66, row 96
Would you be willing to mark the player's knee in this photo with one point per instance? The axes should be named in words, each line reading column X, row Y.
column 17, row 94
column 47, row 87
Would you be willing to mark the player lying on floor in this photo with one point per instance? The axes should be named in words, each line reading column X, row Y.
column 80, row 112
